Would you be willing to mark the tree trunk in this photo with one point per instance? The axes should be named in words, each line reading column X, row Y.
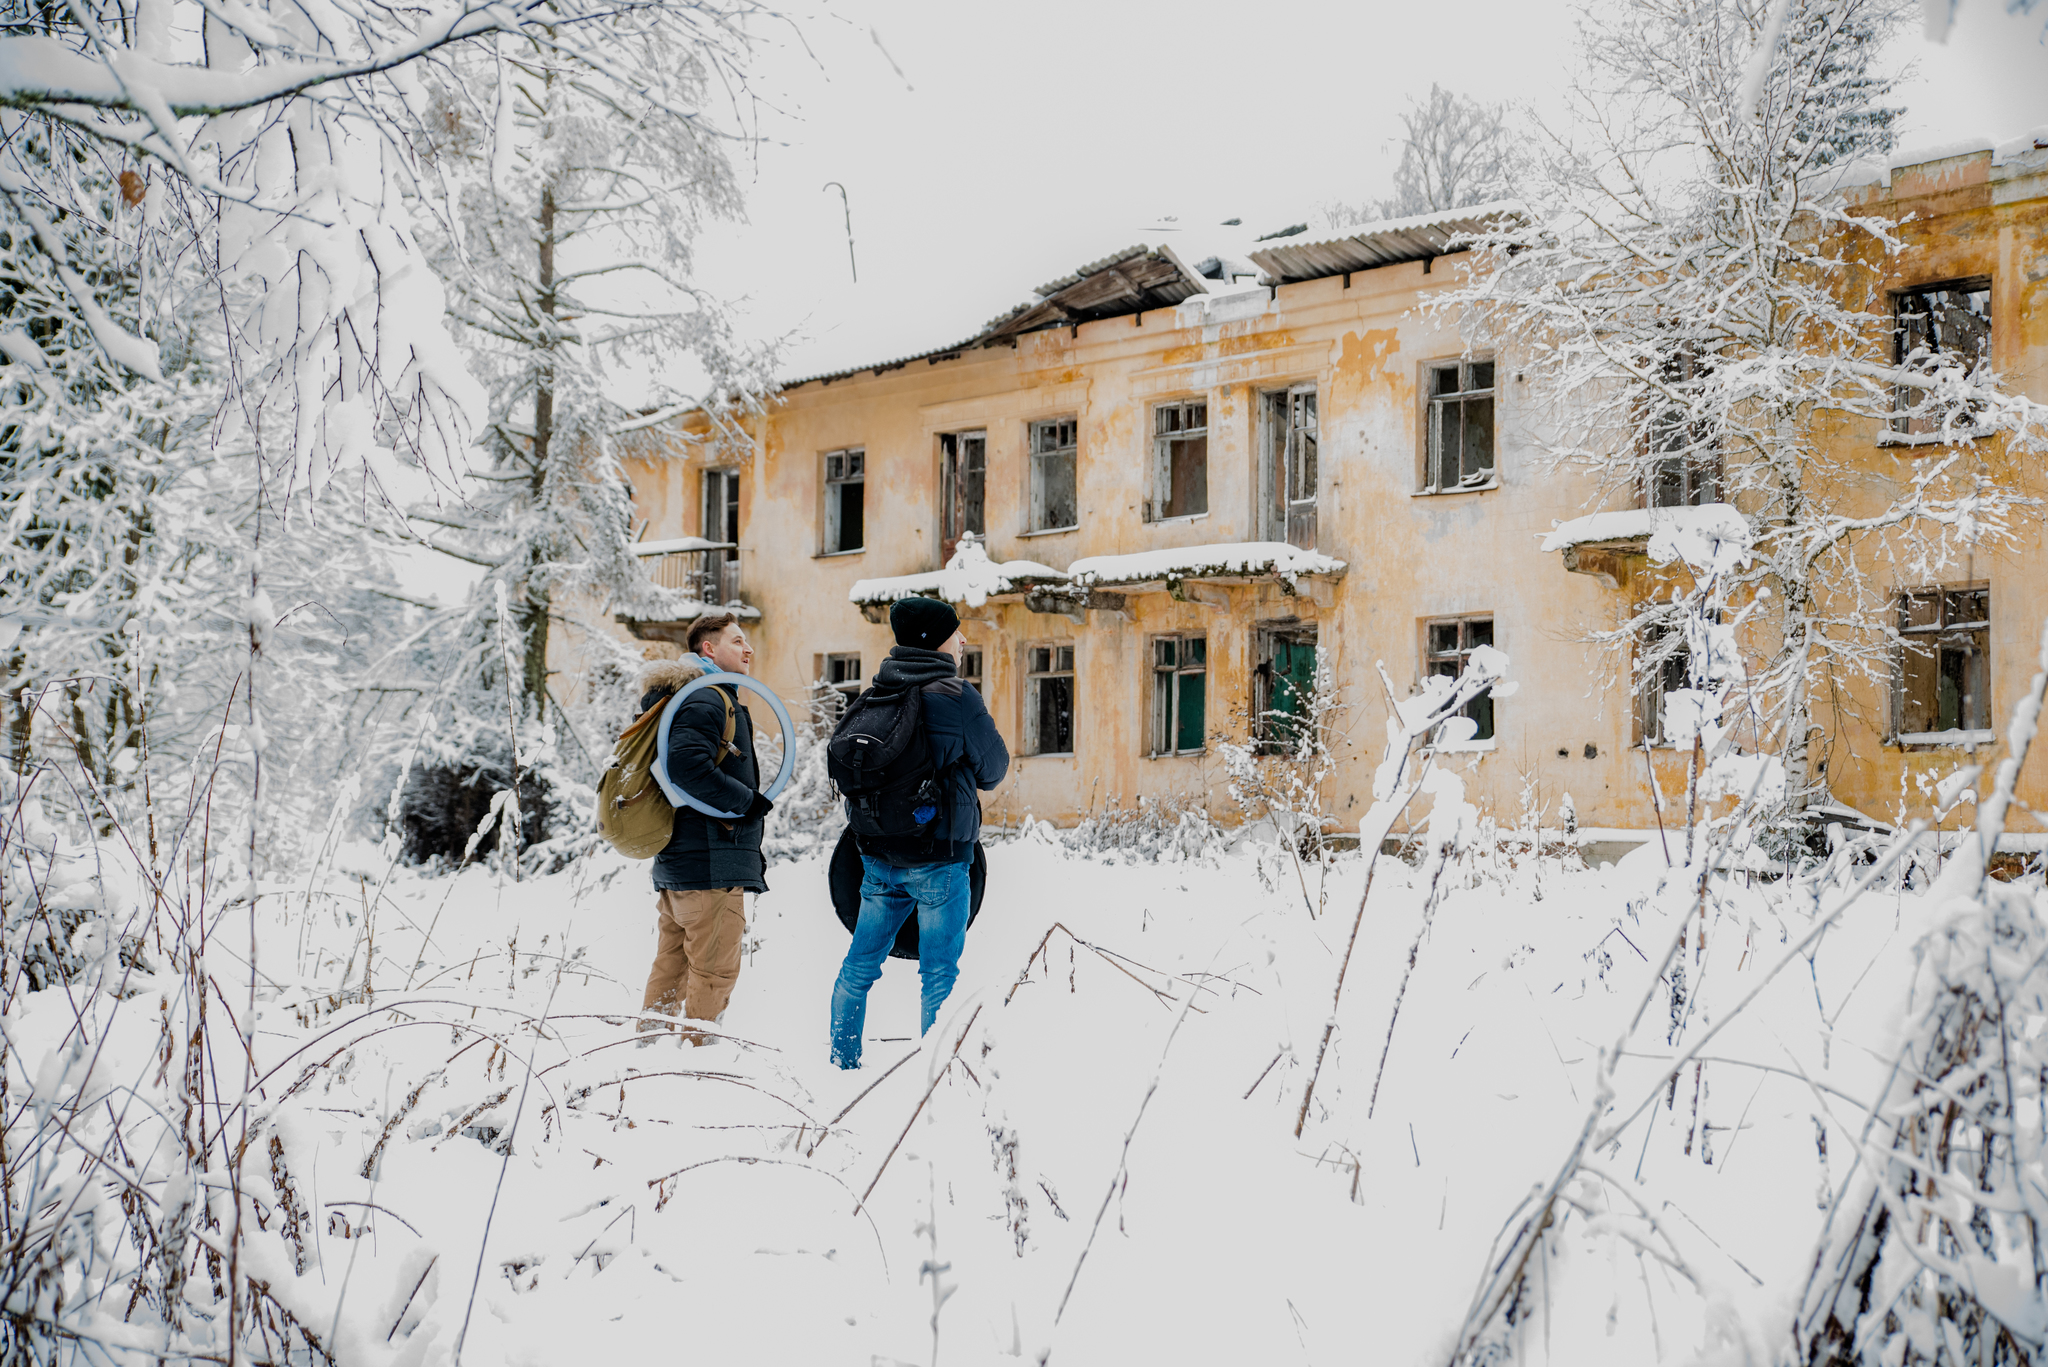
column 533, row 616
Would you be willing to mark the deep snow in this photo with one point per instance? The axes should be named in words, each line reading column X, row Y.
column 676, row 1203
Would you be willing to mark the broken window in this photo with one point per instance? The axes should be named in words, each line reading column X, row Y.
column 1180, row 681
column 1663, row 666
column 1683, row 469
column 970, row 669
column 1460, row 427
column 838, row 680
column 1180, row 461
column 1450, row 643
column 963, row 481
column 1944, row 676
column 1283, row 686
column 1049, row 700
column 845, row 501
column 1936, row 327
column 722, row 523
column 1287, row 478
column 1055, row 505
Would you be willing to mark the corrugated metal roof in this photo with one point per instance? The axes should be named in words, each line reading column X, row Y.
column 1384, row 244
column 1130, row 281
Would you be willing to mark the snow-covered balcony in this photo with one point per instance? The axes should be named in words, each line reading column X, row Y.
column 1102, row 583
column 969, row 578
column 1612, row 546
column 708, row 572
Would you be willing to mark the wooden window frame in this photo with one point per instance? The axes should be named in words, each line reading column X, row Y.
column 963, row 488
column 1481, row 708
column 1434, row 405
column 1942, row 636
column 853, row 469
column 1167, row 690
column 1034, row 679
column 1038, row 521
column 1289, row 461
column 1161, row 488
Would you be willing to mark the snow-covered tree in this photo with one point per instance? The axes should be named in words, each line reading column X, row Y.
column 569, row 204
column 1455, row 151
column 1691, row 305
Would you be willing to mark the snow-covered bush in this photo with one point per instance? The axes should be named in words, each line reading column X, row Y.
column 809, row 814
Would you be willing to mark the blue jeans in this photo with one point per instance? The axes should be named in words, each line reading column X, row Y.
column 938, row 893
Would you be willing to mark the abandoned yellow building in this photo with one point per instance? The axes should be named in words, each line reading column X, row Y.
column 1162, row 490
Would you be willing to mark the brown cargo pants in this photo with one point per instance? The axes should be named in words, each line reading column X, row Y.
column 697, row 960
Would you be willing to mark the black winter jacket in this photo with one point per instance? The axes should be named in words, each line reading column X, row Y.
column 966, row 749
column 705, row 852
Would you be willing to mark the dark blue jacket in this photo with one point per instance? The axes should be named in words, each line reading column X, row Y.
column 705, row 852
column 966, row 750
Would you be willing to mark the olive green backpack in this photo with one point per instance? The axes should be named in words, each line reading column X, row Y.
column 633, row 814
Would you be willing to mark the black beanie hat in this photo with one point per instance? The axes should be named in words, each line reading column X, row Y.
column 923, row 622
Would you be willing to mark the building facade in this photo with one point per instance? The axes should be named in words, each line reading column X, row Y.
column 1161, row 493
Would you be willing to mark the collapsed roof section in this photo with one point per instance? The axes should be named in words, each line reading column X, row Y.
column 1122, row 283
column 1420, row 238
column 1130, row 281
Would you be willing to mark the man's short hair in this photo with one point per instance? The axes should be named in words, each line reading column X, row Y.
column 709, row 626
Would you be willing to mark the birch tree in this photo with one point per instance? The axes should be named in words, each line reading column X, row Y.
column 1692, row 307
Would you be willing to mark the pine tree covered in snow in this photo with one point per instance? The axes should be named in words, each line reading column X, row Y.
column 1689, row 305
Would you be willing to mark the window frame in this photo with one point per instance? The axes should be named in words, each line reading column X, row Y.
column 1159, row 495
column 1925, row 428
column 1432, row 657
column 1268, row 736
column 973, row 664
column 1961, row 734
column 1034, row 679
column 963, row 489
column 1653, row 686
column 1282, row 512
column 1698, row 470
column 1433, row 404
column 1170, row 677
column 830, row 528
column 1037, row 521
column 847, row 688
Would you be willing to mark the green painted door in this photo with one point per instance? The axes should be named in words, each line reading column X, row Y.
column 1294, row 684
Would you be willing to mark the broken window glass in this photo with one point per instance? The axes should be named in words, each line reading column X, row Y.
column 1054, row 504
column 1180, row 475
column 1460, row 427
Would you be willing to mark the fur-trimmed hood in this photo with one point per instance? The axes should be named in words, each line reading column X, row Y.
column 667, row 675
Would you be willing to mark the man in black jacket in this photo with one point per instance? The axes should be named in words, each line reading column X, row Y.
column 702, row 876
column 925, row 875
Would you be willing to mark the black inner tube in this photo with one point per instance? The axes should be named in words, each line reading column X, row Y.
column 846, row 871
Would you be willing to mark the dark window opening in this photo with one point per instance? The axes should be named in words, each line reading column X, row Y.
column 1937, row 327
column 1944, row 677
column 1460, row 427
column 1180, row 461
column 1049, row 700
column 963, row 485
column 1450, row 647
column 845, row 501
column 1288, row 475
column 970, row 670
column 1055, row 502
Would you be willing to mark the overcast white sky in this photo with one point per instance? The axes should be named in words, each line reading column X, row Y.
column 1021, row 140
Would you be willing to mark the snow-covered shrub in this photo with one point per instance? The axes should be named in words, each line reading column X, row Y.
column 809, row 814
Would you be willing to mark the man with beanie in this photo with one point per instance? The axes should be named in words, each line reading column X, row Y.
column 923, row 875
column 702, row 876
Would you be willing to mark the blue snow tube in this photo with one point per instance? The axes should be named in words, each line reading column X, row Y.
column 676, row 796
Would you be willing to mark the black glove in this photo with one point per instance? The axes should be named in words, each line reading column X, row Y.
column 758, row 808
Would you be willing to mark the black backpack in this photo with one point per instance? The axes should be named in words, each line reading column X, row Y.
column 880, row 758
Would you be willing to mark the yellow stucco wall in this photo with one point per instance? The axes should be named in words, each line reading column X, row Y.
column 1411, row 557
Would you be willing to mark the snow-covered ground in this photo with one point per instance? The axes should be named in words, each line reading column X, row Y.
column 669, row 1203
